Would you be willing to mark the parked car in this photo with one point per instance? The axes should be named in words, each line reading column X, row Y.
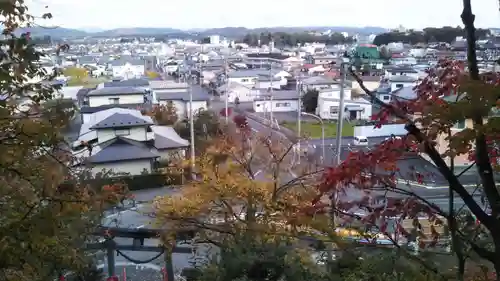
column 360, row 141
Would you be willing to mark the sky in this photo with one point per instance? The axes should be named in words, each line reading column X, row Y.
column 189, row 14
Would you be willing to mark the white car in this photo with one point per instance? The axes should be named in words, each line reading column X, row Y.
column 360, row 141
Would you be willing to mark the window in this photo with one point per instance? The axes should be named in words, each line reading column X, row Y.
column 334, row 109
column 122, row 132
column 399, row 85
column 386, row 97
column 459, row 125
column 283, row 104
column 114, row 100
column 244, row 80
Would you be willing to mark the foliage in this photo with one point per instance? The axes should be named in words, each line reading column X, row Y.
column 139, row 182
column 206, row 127
column 165, row 115
column 257, row 259
column 153, row 75
column 231, row 196
column 429, row 35
column 76, row 73
column 310, row 101
column 449, row 94
column 44, row 222
column 292, row 39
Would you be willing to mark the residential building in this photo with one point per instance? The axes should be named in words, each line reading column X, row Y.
column 281, row 101
column 125, row 142
column 128, row 68
column 115, row 96
column 354, row 108
column 319, row 83
column 400, row 81
column 181, row 101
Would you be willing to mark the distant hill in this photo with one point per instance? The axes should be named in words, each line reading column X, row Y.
column 54, row 32
column 231, row 32
column 144, row 31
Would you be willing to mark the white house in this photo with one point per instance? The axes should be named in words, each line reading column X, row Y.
column 281, row 101
column 319, row 83
column 181, row 101
column 124, row 141
column 401, row 81
column 128, row 68
column 251, row 77
column 237, row 91
column 354, row 109
column 116, row 95
column 165, row 86
column 402, row 70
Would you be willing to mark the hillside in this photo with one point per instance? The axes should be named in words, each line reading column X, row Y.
column 231, row 32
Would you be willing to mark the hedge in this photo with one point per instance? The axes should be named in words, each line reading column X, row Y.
column 139, row 182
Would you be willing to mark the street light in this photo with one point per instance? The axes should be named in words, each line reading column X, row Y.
column 322, row 133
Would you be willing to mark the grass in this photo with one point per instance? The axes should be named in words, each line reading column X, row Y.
column 313, row 129
column 87, row 82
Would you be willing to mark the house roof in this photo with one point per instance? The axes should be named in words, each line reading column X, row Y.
column 166, row 138
column 112, row 91
column 198, row 95
column 166, row 84
column 87, row 134
column 120, row 120
column 94, row 109
column 128, row 83
column 318, row 80
column 402, row 78
column 277, row 95
column 121, row 149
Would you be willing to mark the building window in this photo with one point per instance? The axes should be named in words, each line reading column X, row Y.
column 399, row 85
column 283, row 104
column 122, row 132
column 114, row 100
column 387, row 97
column 244, row 80
column 459, row 125
column 334, row 110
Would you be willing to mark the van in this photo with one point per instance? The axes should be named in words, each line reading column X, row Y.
column 361, row 141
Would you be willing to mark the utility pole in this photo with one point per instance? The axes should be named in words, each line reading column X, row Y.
column 299, row 115
column 271, row 92
column 338, row 143
column 227, row 90
column 191, row 123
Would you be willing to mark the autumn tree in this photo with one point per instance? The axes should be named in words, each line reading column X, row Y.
column 451, row 93
column 47, row 213
column 243, row 187
column 164, row 114
column 153, row 75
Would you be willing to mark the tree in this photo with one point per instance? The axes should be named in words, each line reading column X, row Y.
column 153, row 75
column 310, row 100
column 76, row 73
column 449, row 94
column 45, row 218
column 206, row 128
column 165, row 115
column 241, row 190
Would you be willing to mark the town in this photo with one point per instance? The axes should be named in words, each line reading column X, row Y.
column 264, row 148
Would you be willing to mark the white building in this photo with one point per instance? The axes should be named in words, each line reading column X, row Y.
column 116, row 95
column 281, row 101
column 181, row 101
column 354, row 109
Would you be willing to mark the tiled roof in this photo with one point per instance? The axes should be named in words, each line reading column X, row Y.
column 121, row 149
column 111, row 91
column 119, row 120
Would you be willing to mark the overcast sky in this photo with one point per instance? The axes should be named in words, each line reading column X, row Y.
column 187, row 14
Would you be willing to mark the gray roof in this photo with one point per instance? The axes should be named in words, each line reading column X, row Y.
column 128, row 83
column 119, row 120
column 125, row 60
column 121, row 149
column 184, row 96
column 161, row 142
column 402, row 78
column 318, row 80
column 112, row 91
column 278, row 95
